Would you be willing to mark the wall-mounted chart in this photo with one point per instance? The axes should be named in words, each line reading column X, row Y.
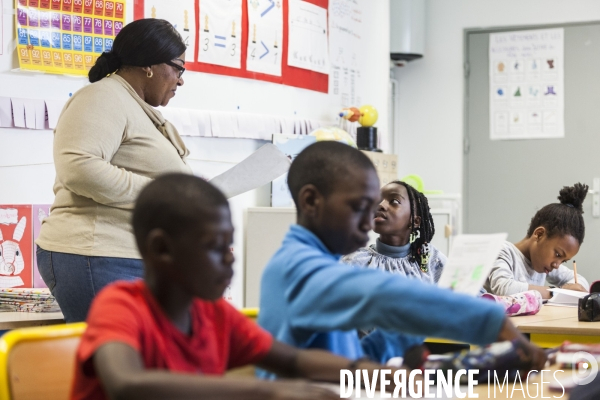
column 346, row 30
column 64, row 36
column 220, row 33
column 180, row 13
column 250, row 38
column 265, row 31
column 308, row 39
column 527, row 84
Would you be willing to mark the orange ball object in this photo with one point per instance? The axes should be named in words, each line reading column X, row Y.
column 368, row 116
column 351, row 114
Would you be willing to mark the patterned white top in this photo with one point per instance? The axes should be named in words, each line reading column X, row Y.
column 395, row 260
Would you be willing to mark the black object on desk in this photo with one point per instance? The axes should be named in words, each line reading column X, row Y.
column 366, row 138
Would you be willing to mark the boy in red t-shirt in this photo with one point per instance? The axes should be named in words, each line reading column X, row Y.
column 172, row 334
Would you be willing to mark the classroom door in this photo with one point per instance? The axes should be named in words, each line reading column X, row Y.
column 507, row 181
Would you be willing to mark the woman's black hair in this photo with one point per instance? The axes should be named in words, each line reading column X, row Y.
column 419, row 207
column 141, row 43
column 564, row 218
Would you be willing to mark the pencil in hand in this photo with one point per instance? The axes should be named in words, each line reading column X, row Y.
column 575, row 270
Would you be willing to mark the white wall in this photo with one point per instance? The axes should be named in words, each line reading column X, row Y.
column 26, row 168
column 431, row 90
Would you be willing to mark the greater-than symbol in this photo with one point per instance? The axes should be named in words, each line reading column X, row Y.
column 266, row 49
column 268, row 8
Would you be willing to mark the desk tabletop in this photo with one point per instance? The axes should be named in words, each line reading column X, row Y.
column 547, row 313
column 12, row 320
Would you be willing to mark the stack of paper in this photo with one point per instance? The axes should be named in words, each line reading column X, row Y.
column 565, row 297
column 27, row 300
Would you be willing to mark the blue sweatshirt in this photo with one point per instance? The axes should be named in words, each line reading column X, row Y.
column 310, row 300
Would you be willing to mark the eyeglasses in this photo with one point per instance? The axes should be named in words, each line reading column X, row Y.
column 177, row 66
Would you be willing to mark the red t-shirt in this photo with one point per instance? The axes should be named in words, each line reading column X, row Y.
column 126, row 312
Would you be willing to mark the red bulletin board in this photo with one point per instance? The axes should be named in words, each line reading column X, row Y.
column 290, row 76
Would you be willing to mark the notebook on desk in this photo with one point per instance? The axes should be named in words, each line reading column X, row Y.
column 565, row 297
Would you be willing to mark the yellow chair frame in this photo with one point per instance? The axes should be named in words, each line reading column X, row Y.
column 10, row 340
column 251, row 313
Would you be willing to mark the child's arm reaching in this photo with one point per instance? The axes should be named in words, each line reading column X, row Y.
column 122, row 374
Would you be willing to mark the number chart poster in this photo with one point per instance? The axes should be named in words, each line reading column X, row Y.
column 527, row 84
column 232, row 59
column 66, row 36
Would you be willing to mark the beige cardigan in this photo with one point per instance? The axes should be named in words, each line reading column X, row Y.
column 106, row 149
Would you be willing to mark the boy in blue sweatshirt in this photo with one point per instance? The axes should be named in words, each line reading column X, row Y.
column 310, row 300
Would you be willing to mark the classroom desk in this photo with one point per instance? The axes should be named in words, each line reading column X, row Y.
column 13, row 320
column 553, row 325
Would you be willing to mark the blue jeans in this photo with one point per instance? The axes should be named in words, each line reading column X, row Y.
column 74, row 280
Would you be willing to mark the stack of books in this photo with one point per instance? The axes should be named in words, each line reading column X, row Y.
column 27, row 300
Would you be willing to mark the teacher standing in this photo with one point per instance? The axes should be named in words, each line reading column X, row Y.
column 108, row 144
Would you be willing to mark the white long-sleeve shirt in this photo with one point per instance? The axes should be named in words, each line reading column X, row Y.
column 512, row 273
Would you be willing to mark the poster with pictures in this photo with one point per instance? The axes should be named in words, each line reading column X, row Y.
column 527, row 84
column 265, row 42
column 181, row 14
column 16, row 258
column 220, row 33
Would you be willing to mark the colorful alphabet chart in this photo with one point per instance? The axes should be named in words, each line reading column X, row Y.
column 527, row 84
column 66, row 36
column 180, row 13
column 220, row 33
column 265, row 44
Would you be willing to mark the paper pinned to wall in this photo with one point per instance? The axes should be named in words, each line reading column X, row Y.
column 6, row 118
column 180, row 13
column 265, row 36
column 470, row 261
column 527, row 84
column 40, row 113
column 54, row 108
column 346, row 32
column 220, row 32
column 308, row 38
column 29, row 105
column 18, row 111
column 260, row 168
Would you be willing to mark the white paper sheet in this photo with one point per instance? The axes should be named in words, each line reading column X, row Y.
column 565, row 297
column 29, row 113
column 220, row 32
column 6, row 118
column 180, row 13
column 40, row 114
column 54, row 108
column 346, row 33
column 470, row 261
column 260, row 168
column 527, row 84
column 265, row 36
column 223, row 124
column 18, row 112
column 308, row 39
